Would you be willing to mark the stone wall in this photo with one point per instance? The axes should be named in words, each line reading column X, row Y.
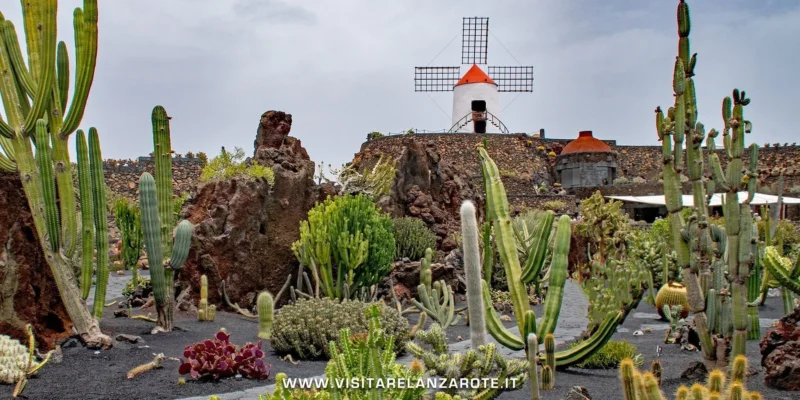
column 524, row 161
column 122, row 176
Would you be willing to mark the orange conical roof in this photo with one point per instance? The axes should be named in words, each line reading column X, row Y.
column 475, row 75
column 585, row 143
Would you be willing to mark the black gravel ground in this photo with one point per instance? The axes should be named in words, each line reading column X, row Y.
column 85, row 374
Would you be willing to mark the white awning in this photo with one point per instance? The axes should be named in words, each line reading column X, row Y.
column 716, row 200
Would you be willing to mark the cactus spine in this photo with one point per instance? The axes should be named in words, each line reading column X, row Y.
column 204, row 311
column 35, row 98
column 472, row 270
column 266, row 309
column 533, row 360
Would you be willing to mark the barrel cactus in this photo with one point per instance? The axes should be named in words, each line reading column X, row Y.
column 672, row 294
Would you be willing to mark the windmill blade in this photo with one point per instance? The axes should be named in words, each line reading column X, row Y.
column 474, row 40
column 436, row 79
column 512, row 79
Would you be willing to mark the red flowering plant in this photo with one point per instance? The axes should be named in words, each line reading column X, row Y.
column 218, row 358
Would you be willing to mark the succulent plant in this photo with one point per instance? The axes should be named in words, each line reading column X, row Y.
column 217, row 358
column 412, row 238
column 472, row 270
column 266, row 310
column 672, row 294
column 17, row 362
column 305, row 328
column 205, row 312
column 438, row 303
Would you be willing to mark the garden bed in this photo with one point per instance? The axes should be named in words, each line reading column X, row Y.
column 85, row 374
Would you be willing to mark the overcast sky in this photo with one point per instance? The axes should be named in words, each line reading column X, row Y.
column 344, row 68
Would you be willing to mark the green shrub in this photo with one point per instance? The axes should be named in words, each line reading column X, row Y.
column 306, row 328
column 231, row 165
column 143, row 282
column 374, row 135
column 610, row 355
column 554, row 205
column 348, row 235
column 412, row 237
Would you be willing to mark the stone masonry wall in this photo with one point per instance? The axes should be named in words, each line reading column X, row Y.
column 122, row 176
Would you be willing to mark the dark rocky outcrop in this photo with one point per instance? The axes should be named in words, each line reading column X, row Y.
column 780, row 353
column 427, row 187
column 244, row 228
column 28, row 292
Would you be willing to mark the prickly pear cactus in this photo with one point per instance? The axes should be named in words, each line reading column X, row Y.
column 14, row 360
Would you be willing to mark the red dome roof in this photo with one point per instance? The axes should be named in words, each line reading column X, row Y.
column 585, row 143
column 475, row 75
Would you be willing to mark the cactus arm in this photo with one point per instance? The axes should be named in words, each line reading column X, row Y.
column 504, row 235
column 488, row 251
column 45, row 164
column 85, row 23
column 6, row 164
column 589, row 346
column 100, row 220
column 472, row 270
column 558, row 277
column 183, row 240
column 87, row 222
column 62, row 75
column 778, row 266
column 48, row 63
column 717, row 174
column 15, row 54
column 495, row 327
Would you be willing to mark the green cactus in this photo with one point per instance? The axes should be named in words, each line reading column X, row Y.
column 87, row 212
column 438, row 303
column 162, row 152
column 638, row 386
column 100, row 221
column 35, row 134
column 657, row 370
column 425, row 273
column 782, row 269
column 472, row 270
column 129, row 221
column 266, row 310
column 548, row 379
column 161, row 272
column 506, row 244
column 204, row 311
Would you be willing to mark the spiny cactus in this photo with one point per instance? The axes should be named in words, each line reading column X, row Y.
column 161, row 271
column 638, row 386
column 472, row 270
column 517, row 277
column 657, row 370
column 533, row 363
column 425, row 274
column 786, row 272
column 438, row 303
column 548, row 378
column 481, row 362
column 550, row 352
column 697, row 245
column 17, row 362
column 34, row 138
column 266, row 310
column 204, row 311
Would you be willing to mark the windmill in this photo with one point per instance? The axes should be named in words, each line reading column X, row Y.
column 476, row 105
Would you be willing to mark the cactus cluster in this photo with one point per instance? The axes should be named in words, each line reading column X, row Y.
column 305, row 328
column 129, row 221
column 17, row 362
column 481, row 362
column 205, row 312
column 412, row 238
column 438, row 303
column 615, row 284
column 647, row 386
column 34, row 136
column 155, row 202
column 712, row 258
column 517, row 277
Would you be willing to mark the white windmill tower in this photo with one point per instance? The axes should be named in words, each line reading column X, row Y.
column 476, row 94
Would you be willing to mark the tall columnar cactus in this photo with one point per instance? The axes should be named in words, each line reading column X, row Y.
column 696, row 244
column 205, row 312
column 266, row 311
column 34, row 136
column 161, row 271
column 526, row 319
column 472, row 270
column 786, row 272
column 87, row 212
column 162, row 152
column 100, row 221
